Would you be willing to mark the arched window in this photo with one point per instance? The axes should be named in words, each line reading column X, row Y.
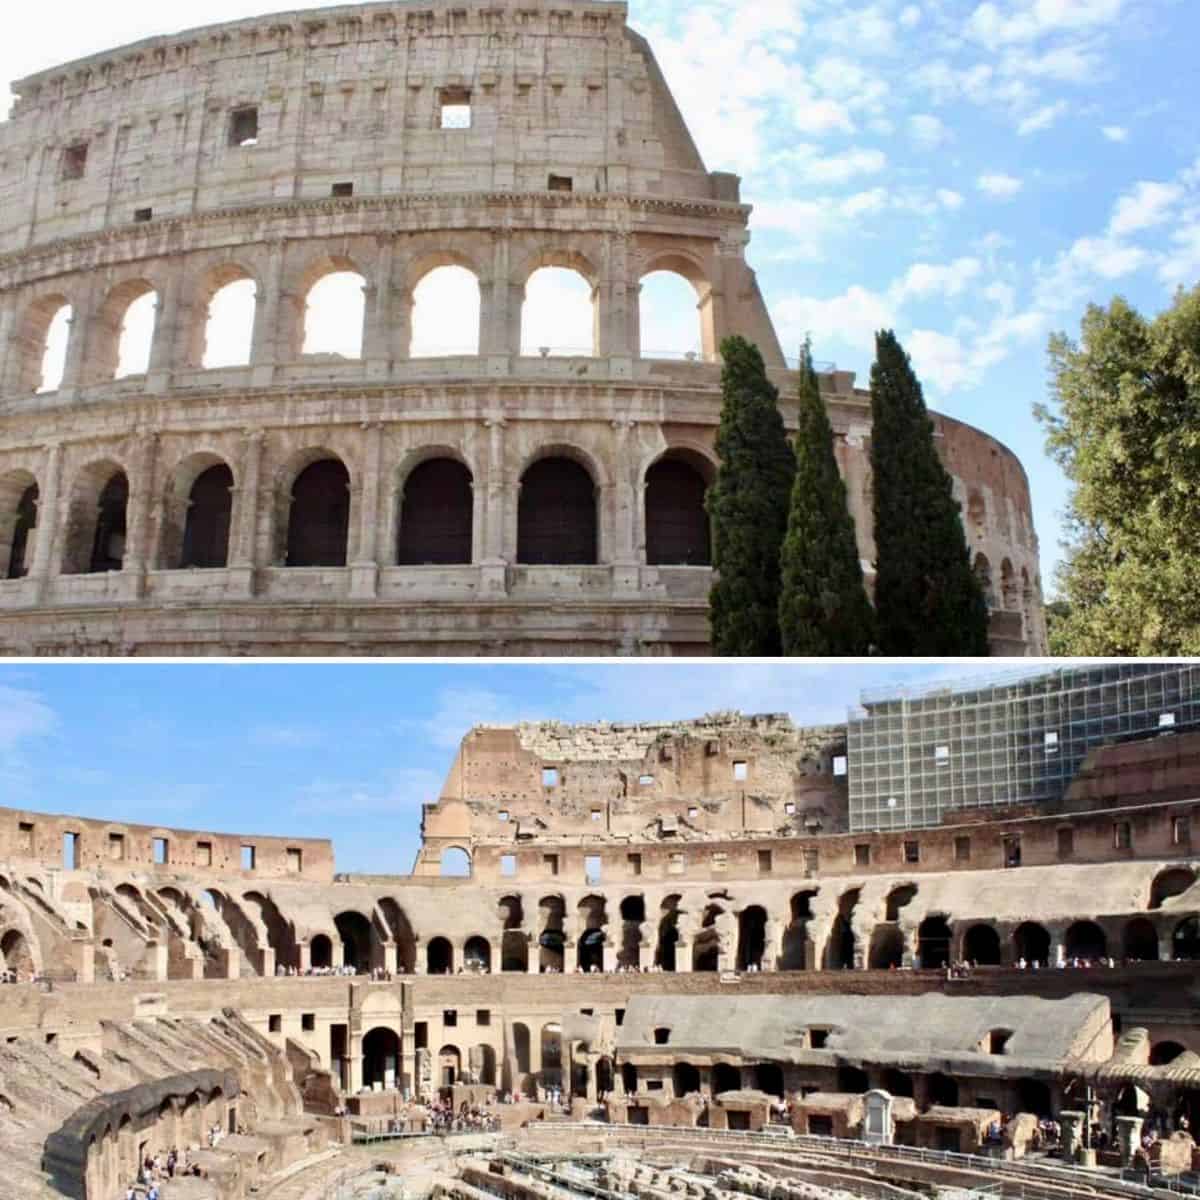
column 229, row 327
column 54, row 349
column 1008, row 586
column 137, row 335
column 556, row 515
column 668, row 317
column 18, row 519
column 887, row 948
column 677, row 531
column 1031, row 942
column 726, row 1077
column 983, row 572
column 982, row 946
column 455, row 863
column 933, row 942
column 1085, row 939
column 1141, row 940
column 436, row 515
column 319, row 521
column 96, row 537
column 357, row 939
column 335, row 310
column 206, row 528
column 559, row 314
column 381, row 1059
column 439, row 957
column 39, row 345
column 445, row 313
column 477, row 954
column 752, row 937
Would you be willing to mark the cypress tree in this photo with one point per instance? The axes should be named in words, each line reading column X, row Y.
column 747, row 506
column 823, row 609
column 928, row 601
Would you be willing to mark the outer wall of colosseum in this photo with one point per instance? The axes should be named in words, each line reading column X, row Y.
column 299, row 476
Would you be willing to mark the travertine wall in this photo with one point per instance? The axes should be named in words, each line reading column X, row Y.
column 352, row 96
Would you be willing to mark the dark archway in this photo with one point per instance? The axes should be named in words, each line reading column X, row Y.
column 840, row 949
column 485, row 1057
column 381, row 1059
column 897, row 1083
column 668, row 934
column 1185, row 940
column 752, row 937
column 436, row 515
column 943, row 1090
column 514, row 951
column 677, row 531
column 853, row 1080
column 1174, row 881
column 898, row 898
column 1085, row 939
column 402, row 934
column 604, row 1077
column 629, row 1078
column 552, row 912
column 108, row 546
column 1141, row 940
column 633, row 916
column 355, row 932
column 320, row 952
column 685, row 1078
column 1033, row 1096
column 794, row 954
column 556, row 515
column 477, row 955
column 520, row 1033
column 21, row 551
column 933, row 942
column 726, row 1078
column 887, row 948
column 1162, row 1053
column 768, row 1077
column 1031, row 942
column 319, row 519
column 439, row 957
column 206, row 529
column 981, row 946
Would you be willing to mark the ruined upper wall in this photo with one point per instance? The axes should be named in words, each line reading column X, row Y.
column 721, row 775
column 352, row 94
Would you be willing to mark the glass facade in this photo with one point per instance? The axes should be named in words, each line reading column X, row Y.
column 916, row 755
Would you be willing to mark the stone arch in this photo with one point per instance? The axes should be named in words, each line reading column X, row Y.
column 444, row 272
column 320, row 951
column 685, row 266
column 118, row 346
column 983, row 572
column 1031, row 942
column 685, row 1078
column 842, row 946
column 592, row 912
column 455, row 862
column 943, row 1090
column 316, row 291
column 558, row 519
column 280, row 935
column 897, row 1083
column 551, row 938
column 899, row 897
column 1185, row 940
column 1085, row 939
column 1165, row 1052
column 514, row 951
column 316, row 517
column 18, row 520
column 633, row 917
column 726, row 1077
column 539, row 315
column 752, row 937
column 18, row 954
column 933, row 942
column 794, row 953
column 439, row 957
column 212, row 294
column 887, row 947
column 676, row 520
column 521, row 1042
column 1033, row 1096
column 981, row 945
column 1172, row 882
column 1008, row 586
column 94, row 540
column 32, row 344
column 435, row 511
column 485, row 1056
column 1140, row 940
column 477, row 954
column 197, row 513
column 359, row 939
column 668, row 934
column 381, row 1058
column 400, row 927
column 449, row 1065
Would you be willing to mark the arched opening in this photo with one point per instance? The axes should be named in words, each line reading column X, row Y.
column 483, row 1064
column 840, row 950
column 726, row 1078
column 887, row 948
column 1085, row 939
column 976, row 516
column 520, row 1033
column 455, row 863
column 1031, row 942
column 1162, row 1053
column 229, row 325
column 706, row 945
column 436, row 515
column 668, row 934
column 898, row 898
column 401, row 930
column 206, row 527
column 136, row 338
column 852, row 1080
column 668, row 317
column 685, row 1078
column 897, row 1083
column 558, row 316
column 768, row 1077
column 943, row 1090
column 604, row 1077
column 16, row 955
column 319, row 517
column 551, row 913
column 983, row 572
column 41, row 344
column 677, row 529
column 445, row 313
column 933, row 942
column 320, row 952
column 1033, row 1096
column 1170, row 883
column 981, row 946
column 477, row 955
column 439, row 957
column 1141, row 940
column 593, row 920
column 95, row 537
column 18, row 519
column 1185, row 940
column 334, row 314
column 629, row 1078
column 1008, row 586
column 53, row 363
column 1027, row 606
column 356, row 934
column 514, row 951
column 450, row 1065
column 752, row 937
column 556, row 515
column 381, row 1060
column 794, row 956
column 552, row 1053
column 633, row 915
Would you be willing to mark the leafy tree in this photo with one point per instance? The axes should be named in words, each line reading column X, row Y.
column 1058, row 614
column 1125, row 428
column 748, row 506
column 823, row 610
column 927, row 599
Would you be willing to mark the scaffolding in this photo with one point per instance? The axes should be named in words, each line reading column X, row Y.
column 916, row 755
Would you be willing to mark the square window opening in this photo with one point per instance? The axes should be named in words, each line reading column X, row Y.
column 1181, row 831
column 143, row 215
column 591, row 868
column 162, row 851
column 508, row 865
column 596, row 814
column 1122, row 836
column 561, row 183
column 839, row 764
column 765, row 862
column 204, row 854
column 295, row 860
column 71, row 851
column 450, row 1017
column 343, row 190
column 74, row 162
column 483, row 1016
column 502, row 815
column 308, row 1022
column 1066, row 842
column 645, row 780
column 549, row 777
column 116, row 846
column 635, row 864
column 912, row 852
column 550, row 862
column 962, row 849
column 249, row 858
column 454, row 108
column 740, row 772
column 275, row 1023
column 862, row 855
column 243, row 126
column 421, row 1035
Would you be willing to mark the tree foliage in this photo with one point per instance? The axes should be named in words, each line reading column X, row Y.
column 823, row 608
column 1125, row 428
column 928, row 600
column 748, row 506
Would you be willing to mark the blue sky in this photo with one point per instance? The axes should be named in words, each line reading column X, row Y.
column 348, row 751
column 972, row 172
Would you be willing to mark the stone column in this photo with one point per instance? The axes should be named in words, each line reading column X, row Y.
column 49, row 520
column 1072, row 1134
column 683, row 956
column 242, row 556
column 303, row 956
column 626, row 561
column 615, row 295
column 1129, row 1135
column 364, row 573
column 170, row 321
column 494, row 508
column 83, row 314
column 265, row 342
column 420, row 958
column 570, row 957
column 143, row 517
column 533, row 964
column 12, row 350
column 497, row 339
column 377, row 342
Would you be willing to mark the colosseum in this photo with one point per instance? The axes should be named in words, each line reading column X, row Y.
column 487, row 497
column 645, row 960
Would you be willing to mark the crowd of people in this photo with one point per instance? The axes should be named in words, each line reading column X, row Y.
column 441, row 1117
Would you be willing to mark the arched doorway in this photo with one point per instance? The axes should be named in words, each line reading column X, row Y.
column 1141, row 940
column 842, row 945
column 1085, row 939
column 436, row 515
column 20, row 549
column 355, row 932
column 685, row 1078
column 319, row 519
column 1185, row 940
column 521, row 1046
column 933, row 943
column 752, row 937
column 556, row 515
column 439, row 957
column 633, row 916
column 381, row 1059
column 551, row 940
column 1031, row 942
column 449, row 1065
column 726, row 1078
column 887, row 947
column 981, row 946
column 514, row 951
column 206, row 528
column 794, row 955
column 455, row 863
column 668, row 934
column 477, row 955
column 16, row 956
column 677, row 530
column 320, row 952
column 943, row 1090
column 552, row 1053
column 108, row 545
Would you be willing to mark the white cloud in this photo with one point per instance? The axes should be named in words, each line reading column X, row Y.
column 910, row 16
column 1042, row 119
column 1181, row 263
column 1149, row 204
column 23, row 715
column 1115, row 133
column 852, row 319
column 865, row 202
column 841, row 168
column 999, row 186
column 1027, row 20
column 949, row 199
column 819, row 115
column 944, row 279
column 927, row 130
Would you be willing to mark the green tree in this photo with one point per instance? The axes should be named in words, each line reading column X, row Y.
column 748, row 506
column 823, row 609
column 927, row 598
column 1125, row 428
